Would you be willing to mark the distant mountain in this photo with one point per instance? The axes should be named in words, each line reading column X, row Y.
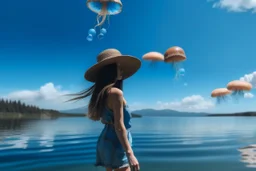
column 80, row 110
column 84, row 110
column 166, row 112
column 143, row 112
column 235, row 114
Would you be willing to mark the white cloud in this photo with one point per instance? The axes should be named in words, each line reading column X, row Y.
column 235, row 5
column 50, row 96
column 251, row 78
column 47, row 96
column 248, row 95
column 191, row 103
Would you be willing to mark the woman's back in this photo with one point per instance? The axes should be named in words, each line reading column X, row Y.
column 109, row 148
column 108, row 117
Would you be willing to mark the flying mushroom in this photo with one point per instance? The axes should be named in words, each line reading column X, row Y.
column 153, row 57
column 239, row 87
column 175, row 55
column 220, row 94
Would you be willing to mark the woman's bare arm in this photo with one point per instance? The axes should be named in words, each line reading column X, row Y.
column 117, row 102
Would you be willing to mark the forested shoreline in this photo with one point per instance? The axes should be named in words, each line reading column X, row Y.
column 14, row 107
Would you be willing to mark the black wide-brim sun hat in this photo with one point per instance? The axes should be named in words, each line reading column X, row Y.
column 128, row 64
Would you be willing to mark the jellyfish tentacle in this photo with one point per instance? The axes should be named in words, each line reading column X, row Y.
column 98, row 19
column 176, row 68
column 103, row 13
column 100, row 36
column 108, row 21
column 100, row 23
column 151, row 64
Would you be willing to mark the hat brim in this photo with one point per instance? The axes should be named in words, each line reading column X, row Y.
column 129, row 65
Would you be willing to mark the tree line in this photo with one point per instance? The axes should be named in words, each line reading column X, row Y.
column 9, row 106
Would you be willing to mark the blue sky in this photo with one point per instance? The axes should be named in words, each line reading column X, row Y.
column 43, row 44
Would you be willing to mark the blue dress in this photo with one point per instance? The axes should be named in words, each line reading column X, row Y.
column 110, row 152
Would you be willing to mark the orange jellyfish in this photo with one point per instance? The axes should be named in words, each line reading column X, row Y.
column 104, row 8
column 153, row 57
column 220, row 94
column 175, row 55
column 238, row 87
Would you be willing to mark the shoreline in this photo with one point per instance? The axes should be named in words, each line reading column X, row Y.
column 245, row 114
column 51, row 116
column 44, row 116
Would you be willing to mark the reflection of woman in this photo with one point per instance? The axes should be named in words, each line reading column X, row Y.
column 114, row 146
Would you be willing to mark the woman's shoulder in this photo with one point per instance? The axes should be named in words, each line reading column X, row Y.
column 115, row 92
column 115, row 95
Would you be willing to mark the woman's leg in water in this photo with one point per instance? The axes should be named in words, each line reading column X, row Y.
column 123, row 169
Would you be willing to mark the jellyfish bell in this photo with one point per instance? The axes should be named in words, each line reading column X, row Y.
column 110, row 7
column 101, row 36
column 89, row 37
column 103, row 31
column 238, row 87
column 181, row 72
column 220, row 94
column 175, row 55
column 103, row 9
column 92, row 32
column 153, row 57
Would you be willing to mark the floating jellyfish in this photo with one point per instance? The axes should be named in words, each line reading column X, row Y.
column 103, row 9
column 103, row 31
column 180, row 73
column 220, row 94
column 89, row 37
column 101, row 36
column 92, row 32
column 153, row 57
column 175, row 55
column 238, row 87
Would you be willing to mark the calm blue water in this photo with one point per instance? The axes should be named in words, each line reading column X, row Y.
column 166, row 144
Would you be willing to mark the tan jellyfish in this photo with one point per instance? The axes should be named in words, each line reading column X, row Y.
column 104, row 8
column 175, row 55
column 238, row 87
column 153, row 57
column 220, row 94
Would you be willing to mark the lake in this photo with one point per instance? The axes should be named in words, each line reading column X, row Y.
column 160, row 143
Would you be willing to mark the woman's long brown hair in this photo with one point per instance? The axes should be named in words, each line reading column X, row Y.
column 106, row 78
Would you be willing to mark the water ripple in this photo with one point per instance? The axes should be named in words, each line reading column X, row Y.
column 34, row 150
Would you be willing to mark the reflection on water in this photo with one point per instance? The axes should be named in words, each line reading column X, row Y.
column 248, row 155
column 169, row 144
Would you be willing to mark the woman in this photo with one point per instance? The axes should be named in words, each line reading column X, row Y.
column 114, row 146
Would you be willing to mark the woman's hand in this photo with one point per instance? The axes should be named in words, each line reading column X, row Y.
column 133, row 162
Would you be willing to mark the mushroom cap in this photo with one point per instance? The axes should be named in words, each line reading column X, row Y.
column 153, row 56
column 174, row 54
column 238, row 85
column 220, row 92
